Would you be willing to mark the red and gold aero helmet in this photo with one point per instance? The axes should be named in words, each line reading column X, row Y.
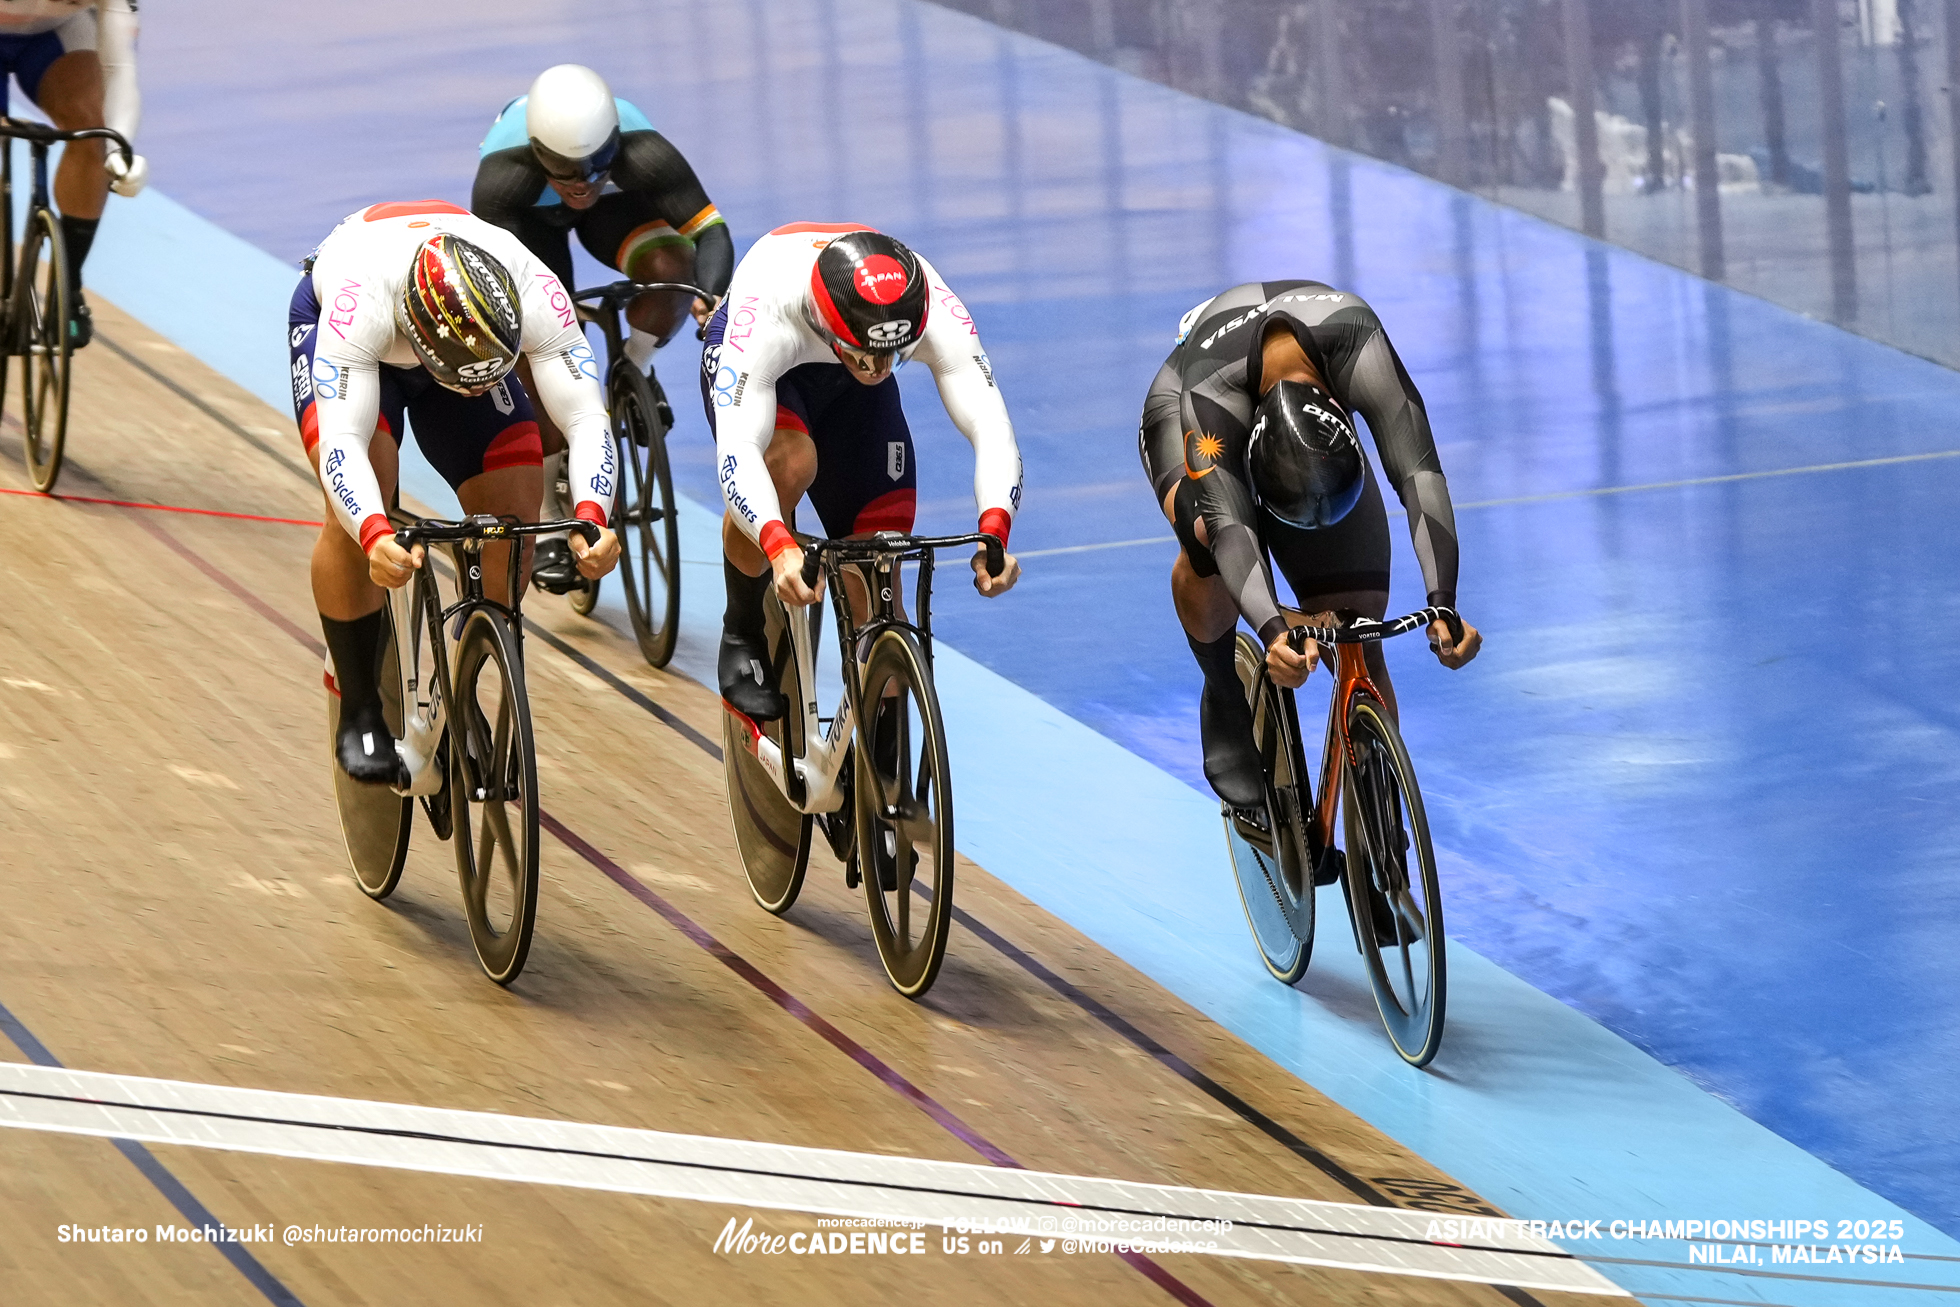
column 460, row 313
column 870, row 292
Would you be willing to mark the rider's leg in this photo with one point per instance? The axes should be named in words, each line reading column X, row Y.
column 625, row 231
column 1343, row 569
column 354, row 626
column 1210, row 617
column 504, row 492
column 70, row 93
column 552, row 563
column 792, row 462
column 487, row 448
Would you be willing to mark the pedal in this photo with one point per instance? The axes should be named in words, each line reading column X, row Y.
column 1330, row 869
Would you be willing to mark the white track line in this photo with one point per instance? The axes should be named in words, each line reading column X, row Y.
column 745, row 1174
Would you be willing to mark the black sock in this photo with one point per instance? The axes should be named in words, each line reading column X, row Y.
column 356, row 650
column 1219, row 659
column 743, row 616
column 78, row 234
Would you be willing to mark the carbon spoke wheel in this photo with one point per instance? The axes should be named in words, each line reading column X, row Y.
column 771, row 833
column 41, row 312
column 374, row 820
column 493, row 789
column 1272, row 864
column 1392, row 888
column 904, row 800
column 650, row 540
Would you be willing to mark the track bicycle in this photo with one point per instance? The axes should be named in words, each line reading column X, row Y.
column 462, row 727
column 874, row 775
column 1388, row 869
column 649, row 531
column 36, row 297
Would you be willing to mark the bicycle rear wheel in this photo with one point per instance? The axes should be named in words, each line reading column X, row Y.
column 1393, row 892
column 904, row 797
column 650, row 554
column 41, row 312
column 771, row 833
column 1272, row 866
column 374, row 820
column 494, row 792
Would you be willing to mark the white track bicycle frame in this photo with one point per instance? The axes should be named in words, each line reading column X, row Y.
column 822, row 762
column 425, row 716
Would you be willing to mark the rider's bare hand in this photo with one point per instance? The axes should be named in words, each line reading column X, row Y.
column 1288, row 669
column 390, row 565
column 790, row 589
column 992, row 586
column 594, row 561
column 1451, row 652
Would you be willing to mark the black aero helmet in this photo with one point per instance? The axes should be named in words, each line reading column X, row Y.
column 869, row 292
column 1306, row 465
column 459, row 310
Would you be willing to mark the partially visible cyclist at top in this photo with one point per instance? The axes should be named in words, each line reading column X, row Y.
column 1248, row 440
column 570, row 156
column 420, row 310
column 798, row 383
column 76, row 60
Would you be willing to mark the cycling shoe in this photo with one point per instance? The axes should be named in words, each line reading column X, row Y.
column 365, row 749
column 552, row 567
column 743, row 671
column 1232, row 763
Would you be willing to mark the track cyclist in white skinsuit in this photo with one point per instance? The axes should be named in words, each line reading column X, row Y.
column 76, row 60
column 420, row 310
column 797, row 381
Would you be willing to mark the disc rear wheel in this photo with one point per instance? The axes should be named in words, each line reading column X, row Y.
column 374, row 821
column 1272, row 863
column 1392, row 886
column 771, row 833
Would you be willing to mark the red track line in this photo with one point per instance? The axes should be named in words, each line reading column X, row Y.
column 734, row 961
column 161, row 508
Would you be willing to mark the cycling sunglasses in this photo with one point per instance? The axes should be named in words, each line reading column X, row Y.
column 589, row 169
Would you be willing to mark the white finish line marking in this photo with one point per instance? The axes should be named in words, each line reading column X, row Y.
column 741, row 1173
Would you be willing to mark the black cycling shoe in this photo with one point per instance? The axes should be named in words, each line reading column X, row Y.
column 365, row 749
column 743, row 670
column 81, row 324
column 1232, row 763
column 553, row 568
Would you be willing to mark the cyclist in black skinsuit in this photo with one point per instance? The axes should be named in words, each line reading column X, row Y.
column 570, row 156
column 1197, row 421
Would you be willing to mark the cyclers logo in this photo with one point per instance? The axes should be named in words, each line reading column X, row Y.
column 880, row 278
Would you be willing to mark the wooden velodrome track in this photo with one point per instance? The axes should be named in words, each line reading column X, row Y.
column 177, row 904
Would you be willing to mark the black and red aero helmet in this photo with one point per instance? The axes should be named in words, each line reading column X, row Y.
column 870, row 292
column 459, row 310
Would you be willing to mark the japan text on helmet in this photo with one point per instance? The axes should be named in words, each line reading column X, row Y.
column 459, row 310
column 573, row 123
column 1306, row 466
column 869, row 292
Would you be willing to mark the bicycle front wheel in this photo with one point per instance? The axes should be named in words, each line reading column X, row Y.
column 650, row 554
column 494, row 792
column 1393, row 891
column 1272, row 865
column 904, row 798
column 41, row 312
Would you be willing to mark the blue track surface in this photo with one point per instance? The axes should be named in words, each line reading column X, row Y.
column 1699, row 787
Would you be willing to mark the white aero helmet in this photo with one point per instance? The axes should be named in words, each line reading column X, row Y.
column 573, row 123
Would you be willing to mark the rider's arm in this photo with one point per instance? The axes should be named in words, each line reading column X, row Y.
column 650, row 165
column 505, row 194
column 1226, row 507
column 743, row 429
column 951, row 348
column 566, row 377
column 122, row 101
column 1378, row 386
column 346, row 404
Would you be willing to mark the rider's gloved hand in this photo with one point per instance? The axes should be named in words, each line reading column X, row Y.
column 1451, row 652
column 127, row 178
column 788, row 567
column 992, row 586
column 390, row 565
column 594, row 561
